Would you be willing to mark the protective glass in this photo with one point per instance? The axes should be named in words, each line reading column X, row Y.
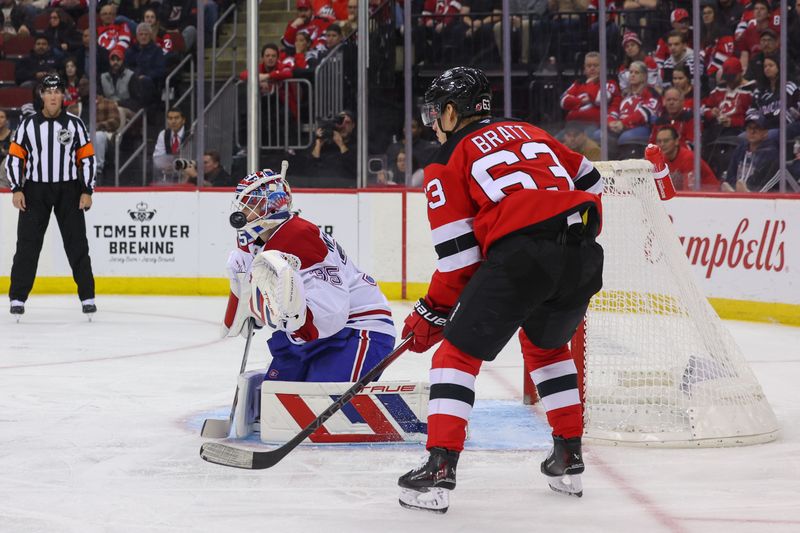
column 430, row 112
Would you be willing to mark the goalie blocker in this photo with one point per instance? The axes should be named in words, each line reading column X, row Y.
column 393, row 411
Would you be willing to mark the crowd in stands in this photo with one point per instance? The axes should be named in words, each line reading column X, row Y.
column 137, row 43
column 650, row 87
column 651, row 97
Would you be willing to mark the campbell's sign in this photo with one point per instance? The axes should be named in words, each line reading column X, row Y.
column 741, row 248
column 759, row 248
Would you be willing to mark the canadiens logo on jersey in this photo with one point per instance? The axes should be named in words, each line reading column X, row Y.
column 65, row 137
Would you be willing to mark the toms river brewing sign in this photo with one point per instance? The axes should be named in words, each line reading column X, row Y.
column 141, row 234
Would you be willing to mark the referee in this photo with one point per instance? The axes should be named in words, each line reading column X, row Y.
column 51, row 167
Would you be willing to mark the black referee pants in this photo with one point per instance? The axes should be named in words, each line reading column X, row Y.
column 40, row 200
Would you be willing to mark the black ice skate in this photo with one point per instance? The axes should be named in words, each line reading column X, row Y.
column 89, row 310
column 17, row 310
column 428, row 487
column 564, row 465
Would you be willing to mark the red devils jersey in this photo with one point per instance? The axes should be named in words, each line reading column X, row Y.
column 494, row 177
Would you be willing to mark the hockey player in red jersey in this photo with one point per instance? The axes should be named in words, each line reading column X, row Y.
column 330, row 320
column 514, row 215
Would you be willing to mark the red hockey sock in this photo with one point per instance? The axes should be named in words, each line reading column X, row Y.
column 556, row 378
column 452, row 396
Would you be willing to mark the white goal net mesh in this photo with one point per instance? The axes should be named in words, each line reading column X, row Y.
column 660, row 367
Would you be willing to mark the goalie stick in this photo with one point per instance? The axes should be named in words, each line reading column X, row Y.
column 225, row 455
column 214, row 428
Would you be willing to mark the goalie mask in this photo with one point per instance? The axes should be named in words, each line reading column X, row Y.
column 263, row 201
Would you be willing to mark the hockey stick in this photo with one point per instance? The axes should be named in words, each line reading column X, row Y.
column 225, row 455
column 214, row 428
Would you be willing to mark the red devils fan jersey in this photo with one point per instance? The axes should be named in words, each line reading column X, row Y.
column 494, row 177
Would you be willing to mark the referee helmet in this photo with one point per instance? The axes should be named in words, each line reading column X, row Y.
column 52, row 81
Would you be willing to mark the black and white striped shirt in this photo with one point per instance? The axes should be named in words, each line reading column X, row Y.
column 51, row 150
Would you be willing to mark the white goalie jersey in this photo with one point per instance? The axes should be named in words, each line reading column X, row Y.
column 337, row 294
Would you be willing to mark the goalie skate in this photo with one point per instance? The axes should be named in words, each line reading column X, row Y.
column 564, row 465
column 427, row 487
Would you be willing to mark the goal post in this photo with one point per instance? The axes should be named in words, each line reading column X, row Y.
column 659, row 366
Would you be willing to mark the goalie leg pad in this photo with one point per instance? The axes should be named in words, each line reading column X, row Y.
column 277, row 295
column 248, row 405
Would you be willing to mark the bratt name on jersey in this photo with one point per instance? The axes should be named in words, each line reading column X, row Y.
column 491, row 138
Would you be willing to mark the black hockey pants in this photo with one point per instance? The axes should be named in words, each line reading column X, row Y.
column 539, row 278
column 41, row 199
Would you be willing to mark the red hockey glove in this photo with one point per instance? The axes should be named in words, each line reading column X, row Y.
column 426, row 323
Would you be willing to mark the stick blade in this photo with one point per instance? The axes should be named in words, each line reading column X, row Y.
column 221, row 454
column 215, row 428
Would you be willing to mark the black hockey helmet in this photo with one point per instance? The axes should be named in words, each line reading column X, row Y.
column 466, row 88
column 52, row 81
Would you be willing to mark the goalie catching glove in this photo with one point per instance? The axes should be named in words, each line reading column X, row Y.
column 426, row 323
column 277, row 295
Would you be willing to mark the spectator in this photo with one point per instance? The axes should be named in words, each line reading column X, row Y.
column 754, row 165
column 108, row 121
column 39, row 62
column 716, row 44
column 181, row 15
column 349, row 24
column 632, row 46
column 16, row 18
column 767, row 101
column 748, row 43
column 61, row 31
column 82, row 55
column 639, row 105
column 5, row 142
column 768, row 46
column 334, row 152
column 474, row 32
column 117, row 83
column 73, row 8
column 437, row 23
column 674, row 115
column 213, row 173
column 314, row 26
column 146, row 61
column 680, row 20
column 524, row 13
column 730, row 13
column 682, row 80
column 110, row 34
column 679, row 54
column 304, row 58
column 725, row 108
column 567, row 19
column 423, row 151
column 72, row 80
column 793, row 34
column 581, row 100
column 162, row 38
column 680, row 161
column 575, row 139
column 169, row 141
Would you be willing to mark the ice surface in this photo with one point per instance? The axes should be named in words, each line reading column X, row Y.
column 99, row 432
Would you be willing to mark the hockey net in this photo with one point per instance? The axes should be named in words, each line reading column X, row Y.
column 658, row 366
